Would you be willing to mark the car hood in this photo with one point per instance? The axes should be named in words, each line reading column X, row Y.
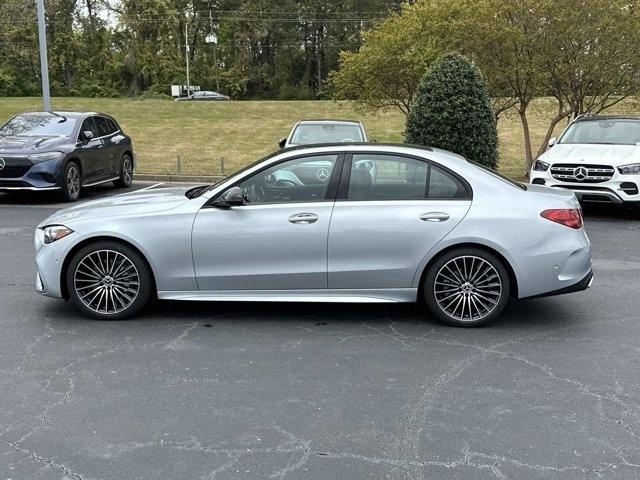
column 27, row 145
column 614, row 155
column 140, row 202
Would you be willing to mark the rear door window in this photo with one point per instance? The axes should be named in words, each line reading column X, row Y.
column 395, row 177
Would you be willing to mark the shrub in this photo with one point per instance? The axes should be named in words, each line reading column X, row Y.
column 452, row 110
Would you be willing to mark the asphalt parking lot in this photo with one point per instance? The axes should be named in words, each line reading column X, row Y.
column 258, row 391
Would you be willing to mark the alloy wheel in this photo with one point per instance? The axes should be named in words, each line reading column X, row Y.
column 106, row 281
column 467, row 288
column 73, row 181
column 127, row 171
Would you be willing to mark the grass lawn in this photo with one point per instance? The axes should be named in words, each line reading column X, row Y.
column 241, row 132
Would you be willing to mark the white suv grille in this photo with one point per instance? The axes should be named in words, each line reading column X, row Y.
column 568, row 172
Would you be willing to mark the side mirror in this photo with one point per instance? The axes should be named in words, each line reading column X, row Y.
column 282, row 142
column 231, row 198
column 552, row 141
column 86, row 135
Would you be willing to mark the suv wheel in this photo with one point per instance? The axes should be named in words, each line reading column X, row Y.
column 109, row 281
column 126, row 172
column 71, row 182
column 467, row 287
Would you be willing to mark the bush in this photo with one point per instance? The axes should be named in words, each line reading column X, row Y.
column 452, row 110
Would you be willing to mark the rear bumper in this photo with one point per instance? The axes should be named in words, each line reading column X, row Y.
column 577, row 287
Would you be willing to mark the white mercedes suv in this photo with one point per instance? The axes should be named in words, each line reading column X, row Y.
column 598, row 157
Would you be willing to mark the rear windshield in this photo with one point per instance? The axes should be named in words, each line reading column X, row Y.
column 326, row 133
column 499, row 176
column 603, row 132
column 39, row 125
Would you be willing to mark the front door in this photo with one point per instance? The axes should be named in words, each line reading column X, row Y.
column 278, row 239
column 391, row 211
column 91, row 153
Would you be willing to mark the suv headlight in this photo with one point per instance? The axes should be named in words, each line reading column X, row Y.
column 633, row 169
column 43, row 157
column 540, row 166
column 55, row 232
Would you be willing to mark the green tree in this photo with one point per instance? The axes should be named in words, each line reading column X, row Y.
column 394, row 55
column 452, row 110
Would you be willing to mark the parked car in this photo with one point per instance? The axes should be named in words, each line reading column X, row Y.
column 64, row 151
column 429, row 225
column 204, row 96
column 596, row 157
column 307, row 132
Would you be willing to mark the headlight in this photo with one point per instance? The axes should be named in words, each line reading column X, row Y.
column 43, row 157
column 633, row 169
column 55, row 232
column 540, row 166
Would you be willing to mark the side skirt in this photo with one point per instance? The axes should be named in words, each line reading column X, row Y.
column 391, row 295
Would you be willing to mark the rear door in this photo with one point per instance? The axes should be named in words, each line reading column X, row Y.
column 390, row 212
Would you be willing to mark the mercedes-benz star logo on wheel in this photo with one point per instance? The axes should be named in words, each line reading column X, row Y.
column 2, row 163
column 581, row 174
column 322, row 174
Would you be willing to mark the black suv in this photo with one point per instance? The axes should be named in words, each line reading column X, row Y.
column 64, row 151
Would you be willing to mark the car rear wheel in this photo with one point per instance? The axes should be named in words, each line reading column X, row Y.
column 467, row 287
column 71, row 182
column 109, row 281
column 126, row 172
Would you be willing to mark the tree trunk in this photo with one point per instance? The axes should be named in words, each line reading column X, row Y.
column 522, row 112
column 562, row 114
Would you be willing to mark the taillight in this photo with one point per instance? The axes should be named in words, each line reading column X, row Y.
column 569, row 217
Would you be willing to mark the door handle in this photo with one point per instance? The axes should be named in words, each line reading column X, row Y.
column 304, row 218
column 434, row 217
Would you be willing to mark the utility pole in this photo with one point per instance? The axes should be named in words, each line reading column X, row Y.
column 213, row 38
column 44, row 64
column 186, row 44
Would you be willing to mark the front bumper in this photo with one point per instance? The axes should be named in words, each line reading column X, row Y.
column 618, row 190
column 49, row 262
column 40, row 176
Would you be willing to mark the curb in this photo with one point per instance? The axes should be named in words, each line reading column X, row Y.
column 144, row 177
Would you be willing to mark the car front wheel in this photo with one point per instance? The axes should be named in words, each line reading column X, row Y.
column 71, row 182
column 467, row 287
column 109, row 281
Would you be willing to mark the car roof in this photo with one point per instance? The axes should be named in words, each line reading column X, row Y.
column 66, row 113
column 329, row 120
column 387, row 147
column 585, row 118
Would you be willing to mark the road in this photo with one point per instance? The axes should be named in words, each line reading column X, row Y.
column 304, row 391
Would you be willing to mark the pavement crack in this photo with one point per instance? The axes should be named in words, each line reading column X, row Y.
column 49, row 462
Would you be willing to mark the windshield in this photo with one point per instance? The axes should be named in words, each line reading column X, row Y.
column 39, row 124
column 607, row 132
column 325, row 133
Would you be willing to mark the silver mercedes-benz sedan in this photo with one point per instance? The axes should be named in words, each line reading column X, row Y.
column 324, row 223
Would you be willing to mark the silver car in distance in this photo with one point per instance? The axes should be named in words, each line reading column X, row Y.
column 323, row 223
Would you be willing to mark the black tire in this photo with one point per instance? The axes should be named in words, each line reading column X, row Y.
column 71, row 182
column 126, row 172
column 483, row 296
column 117, row 286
